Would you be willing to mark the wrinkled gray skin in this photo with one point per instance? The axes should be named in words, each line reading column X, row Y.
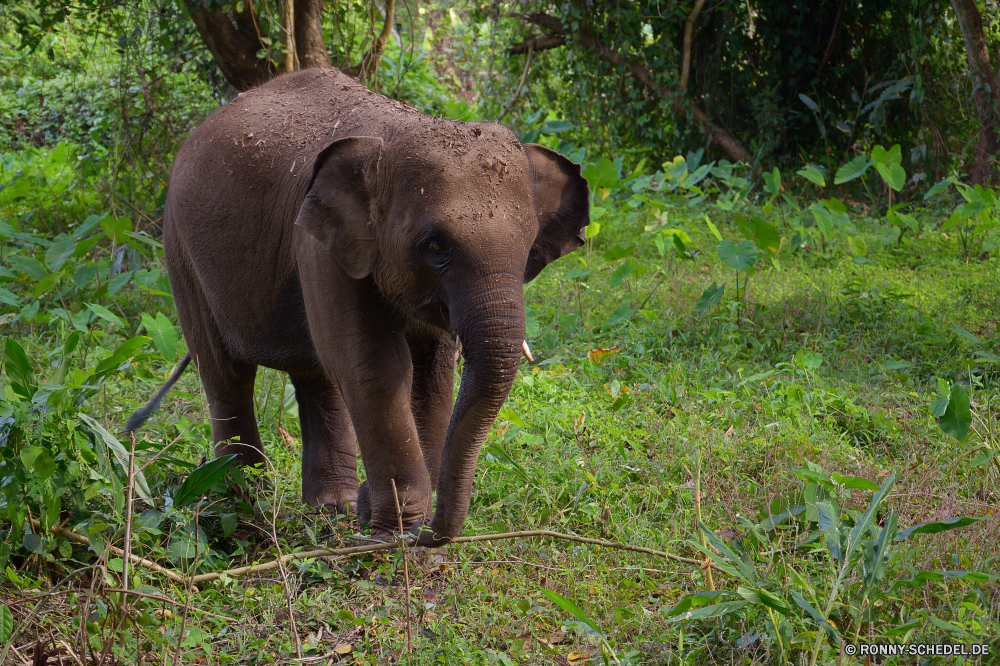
column 318, row 228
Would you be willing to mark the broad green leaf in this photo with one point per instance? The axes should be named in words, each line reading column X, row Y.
column 618, row 252
column 765, row 236
column 621, row 314
column 163, row 332
column 121, row 354
column 853, row 169
column 772, row 182
column 60, row 250
column 621, row 273
column 813, row 175
column 576, row 273
column 910, row 221
column 868, row 519
column 39, row 459
column 887, row 157
column 740, row 257
column 937, row 189
column 28, row 266
column 697, row 599
column 957, row 417
column 893, row 175
column 9, row 298
column 229, row 524
column 815, row 614
column 201, row 479
column 602, row 174
column 117, row 282
column 115, row 228
column 712, row 228
column 808, row 101
column 744, row 226
column 6, row 623
column 105, row 314
column 935, row 526
column 748, row 574
column 854, row 482
column 763, row 597
column 19, row 371
column 710, row 297
column 904, row 628
column 878, row 555
column 888, row 234
column 835, row 205
column 573, row 610
column 857, row 246
column 924, row 576
column 679, row 233
column 965, row 334
column 120, row 452
column 707, row 612
column 829, row 525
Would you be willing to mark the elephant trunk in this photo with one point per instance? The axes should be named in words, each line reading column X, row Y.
column 491, row 327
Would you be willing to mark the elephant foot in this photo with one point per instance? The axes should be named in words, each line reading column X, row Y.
column 381, row 514
column 426, row 536
column 342, row 500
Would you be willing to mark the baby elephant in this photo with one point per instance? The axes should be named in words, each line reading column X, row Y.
column 318, row 228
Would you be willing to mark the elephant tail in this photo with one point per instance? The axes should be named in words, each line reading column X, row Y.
column 140, row 416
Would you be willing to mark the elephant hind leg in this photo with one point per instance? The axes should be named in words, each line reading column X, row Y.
column 329, row 448
column 229, row 390
column 228, row 383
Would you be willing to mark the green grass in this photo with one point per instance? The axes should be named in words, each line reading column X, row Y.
column 828, row 362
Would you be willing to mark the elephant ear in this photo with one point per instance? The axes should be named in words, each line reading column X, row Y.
column 336, row 209
column 562, row 203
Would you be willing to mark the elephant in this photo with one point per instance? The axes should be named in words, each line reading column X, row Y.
column 318, row 228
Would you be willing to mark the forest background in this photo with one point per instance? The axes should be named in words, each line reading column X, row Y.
column 775, row 356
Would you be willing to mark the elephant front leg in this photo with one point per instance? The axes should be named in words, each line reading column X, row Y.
column 329, row 449
column 362, row 348
column 378, row 397
column 432, row 397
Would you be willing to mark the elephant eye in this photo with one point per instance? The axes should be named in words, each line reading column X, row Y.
column 436, row 252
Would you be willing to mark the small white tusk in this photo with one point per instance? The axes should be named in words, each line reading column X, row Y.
column 527, row 352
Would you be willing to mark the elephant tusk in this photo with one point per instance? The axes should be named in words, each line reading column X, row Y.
column 527, row 352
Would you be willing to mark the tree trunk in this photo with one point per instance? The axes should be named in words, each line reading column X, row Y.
column 234, row 40
column 288, row 61
column 678, row 101
column 309, row 34
column 987, row 101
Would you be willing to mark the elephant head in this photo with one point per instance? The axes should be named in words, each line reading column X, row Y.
column 448, row 221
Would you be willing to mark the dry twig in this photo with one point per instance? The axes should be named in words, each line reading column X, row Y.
column 406, row 570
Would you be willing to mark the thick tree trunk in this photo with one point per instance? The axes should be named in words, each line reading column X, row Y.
column 234, row 40
column 987, row 102
column 678, row 101
column 309, row 34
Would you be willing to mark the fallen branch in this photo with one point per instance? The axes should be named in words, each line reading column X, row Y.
column 134, row 559
column 367, row 548
column 371, row 548
column 678, row 101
